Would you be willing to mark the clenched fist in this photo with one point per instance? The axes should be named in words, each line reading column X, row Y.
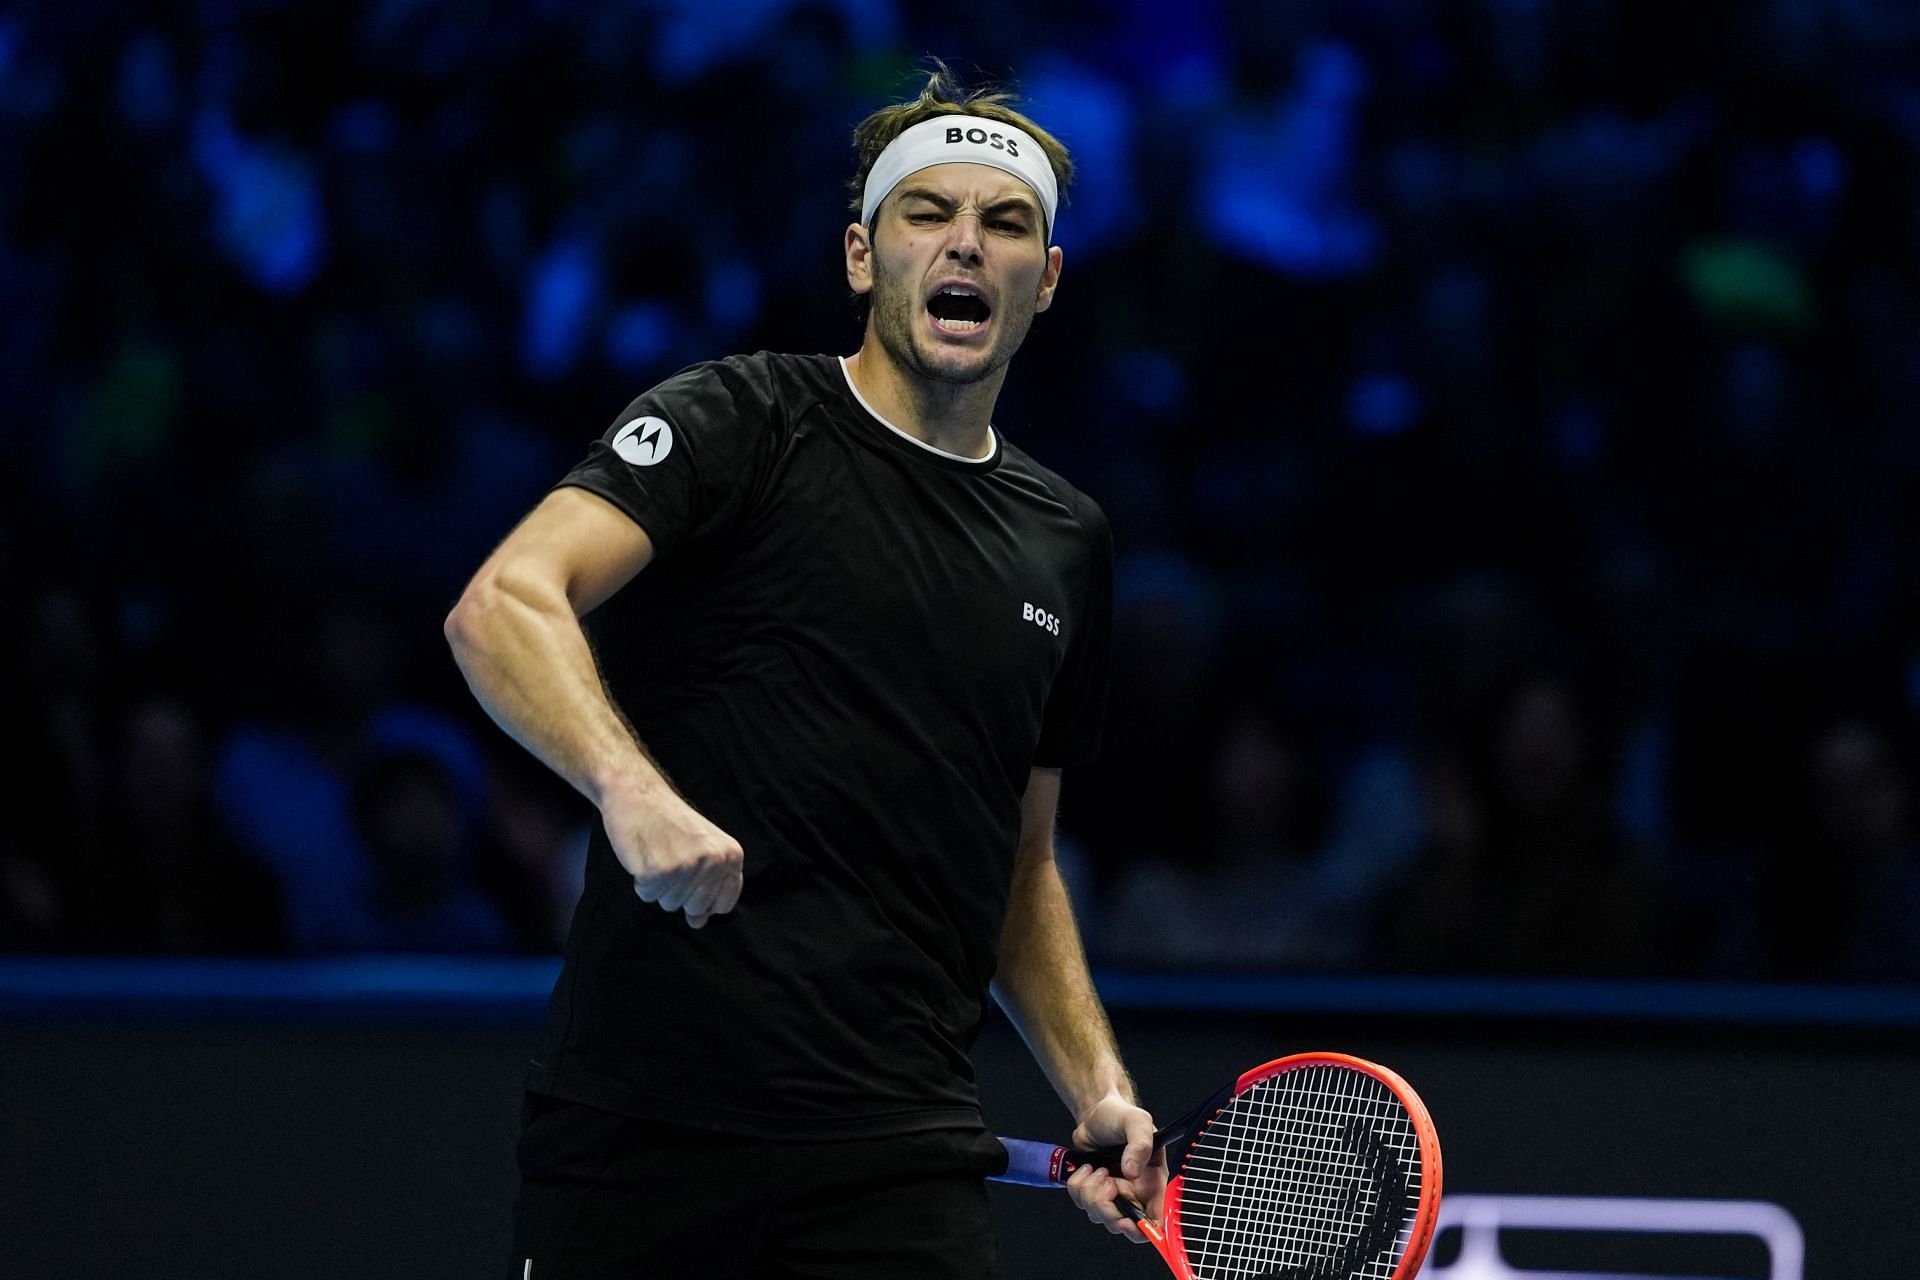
column 678, row 860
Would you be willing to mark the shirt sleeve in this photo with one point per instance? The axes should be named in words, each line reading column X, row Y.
column 686, row 457
column 1077, row 704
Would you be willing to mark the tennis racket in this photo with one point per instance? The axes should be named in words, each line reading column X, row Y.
column 1313, row 1167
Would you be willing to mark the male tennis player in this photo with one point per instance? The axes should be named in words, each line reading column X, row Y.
column 825, row 734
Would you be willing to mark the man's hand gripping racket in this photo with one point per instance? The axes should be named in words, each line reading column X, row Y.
column 1317, row 1165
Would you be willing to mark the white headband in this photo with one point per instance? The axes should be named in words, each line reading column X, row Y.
column 958, row 139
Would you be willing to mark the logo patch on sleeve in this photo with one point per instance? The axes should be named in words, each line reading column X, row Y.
column 644, row 441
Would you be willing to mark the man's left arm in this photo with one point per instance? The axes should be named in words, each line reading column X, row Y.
column 1044, row 987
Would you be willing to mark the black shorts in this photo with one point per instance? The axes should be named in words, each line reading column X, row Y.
column 609, row 1197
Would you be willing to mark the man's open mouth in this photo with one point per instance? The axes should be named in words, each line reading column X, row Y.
column 958, row 308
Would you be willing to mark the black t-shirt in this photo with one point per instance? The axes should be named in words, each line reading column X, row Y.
column 848, row 653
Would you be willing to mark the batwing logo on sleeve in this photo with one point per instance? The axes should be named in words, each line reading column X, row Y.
column 644, row 441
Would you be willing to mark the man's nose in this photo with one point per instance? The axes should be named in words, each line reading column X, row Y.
column 963, row 238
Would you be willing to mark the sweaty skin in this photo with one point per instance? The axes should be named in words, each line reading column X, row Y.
column 963, row 223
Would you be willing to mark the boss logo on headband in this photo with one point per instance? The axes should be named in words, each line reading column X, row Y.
column 998, row 141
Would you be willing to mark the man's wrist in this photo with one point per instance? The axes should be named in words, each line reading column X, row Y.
column 631, row 780
column 1119, row 1091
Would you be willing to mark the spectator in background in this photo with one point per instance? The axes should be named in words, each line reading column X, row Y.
column 1407, row 792
column 423, row 895
column 32, row 910
column 1844, row 897
column 533, row 863
column 286, row 774
column 58, row 716
column 1525, row 871
column 1246, row 888
column 1166, row 637
column 172, row 881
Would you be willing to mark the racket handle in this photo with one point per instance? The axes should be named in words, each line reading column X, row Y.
column 1035, row 1164
column 1107, row 1158
column 1042, row 1164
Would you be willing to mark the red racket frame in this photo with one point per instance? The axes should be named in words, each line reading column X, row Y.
column 1165, row 1234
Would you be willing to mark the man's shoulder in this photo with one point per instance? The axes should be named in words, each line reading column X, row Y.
column 777, row 364
column 1018, row 462
column 771, row 373
column 765, row 386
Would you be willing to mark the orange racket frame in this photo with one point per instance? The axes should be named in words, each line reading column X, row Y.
column 1043, row 1166
column 1165, row 1235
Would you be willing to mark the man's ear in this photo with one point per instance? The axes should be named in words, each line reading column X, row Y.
column 859, row 247
column 1049, row 279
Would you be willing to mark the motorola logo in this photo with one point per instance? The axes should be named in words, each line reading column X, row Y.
column 644, row 441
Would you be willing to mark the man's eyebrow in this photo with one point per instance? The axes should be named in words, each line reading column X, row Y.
column 931, row 196
column 1013, row 204
column 1006, row 204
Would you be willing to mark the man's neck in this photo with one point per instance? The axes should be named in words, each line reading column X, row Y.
column 953, row 416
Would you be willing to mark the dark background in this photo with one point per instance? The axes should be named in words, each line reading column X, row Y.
column 1507, row 413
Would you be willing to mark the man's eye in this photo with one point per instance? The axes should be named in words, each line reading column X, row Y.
column 923, row 217
column 1015, row 228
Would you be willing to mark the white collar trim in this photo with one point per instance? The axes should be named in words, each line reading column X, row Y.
column 994, row 436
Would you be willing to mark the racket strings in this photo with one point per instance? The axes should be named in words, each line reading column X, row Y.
column 1313, row 1173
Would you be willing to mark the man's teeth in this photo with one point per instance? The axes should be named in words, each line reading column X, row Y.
column 962, row 325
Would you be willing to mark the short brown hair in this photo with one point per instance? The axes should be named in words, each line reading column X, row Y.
column 943, row 95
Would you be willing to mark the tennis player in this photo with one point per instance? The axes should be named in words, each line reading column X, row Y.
column 845, row 637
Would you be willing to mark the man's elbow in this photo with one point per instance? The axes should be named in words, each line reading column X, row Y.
column 503, row 594
column 454, row 628
column 465, row 622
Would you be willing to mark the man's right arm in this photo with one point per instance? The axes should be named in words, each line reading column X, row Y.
column 516, row 635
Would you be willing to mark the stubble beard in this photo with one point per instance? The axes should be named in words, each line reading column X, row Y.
column 895, row 313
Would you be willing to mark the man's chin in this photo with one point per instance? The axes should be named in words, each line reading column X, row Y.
column 948, row 364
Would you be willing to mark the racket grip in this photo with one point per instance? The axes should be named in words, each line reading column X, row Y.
column 1042, row 1164
column 1034, row 1164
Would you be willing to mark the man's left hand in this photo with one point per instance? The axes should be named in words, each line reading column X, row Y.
column 1143, row 1170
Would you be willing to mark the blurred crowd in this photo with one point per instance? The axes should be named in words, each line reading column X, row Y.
column 1508, row 412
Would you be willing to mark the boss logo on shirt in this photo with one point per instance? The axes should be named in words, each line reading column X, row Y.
column 644, row 441
column 1048, row 622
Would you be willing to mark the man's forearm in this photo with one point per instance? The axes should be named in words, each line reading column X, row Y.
column 520, row 645
column 1044, row 986
column 527, row 661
